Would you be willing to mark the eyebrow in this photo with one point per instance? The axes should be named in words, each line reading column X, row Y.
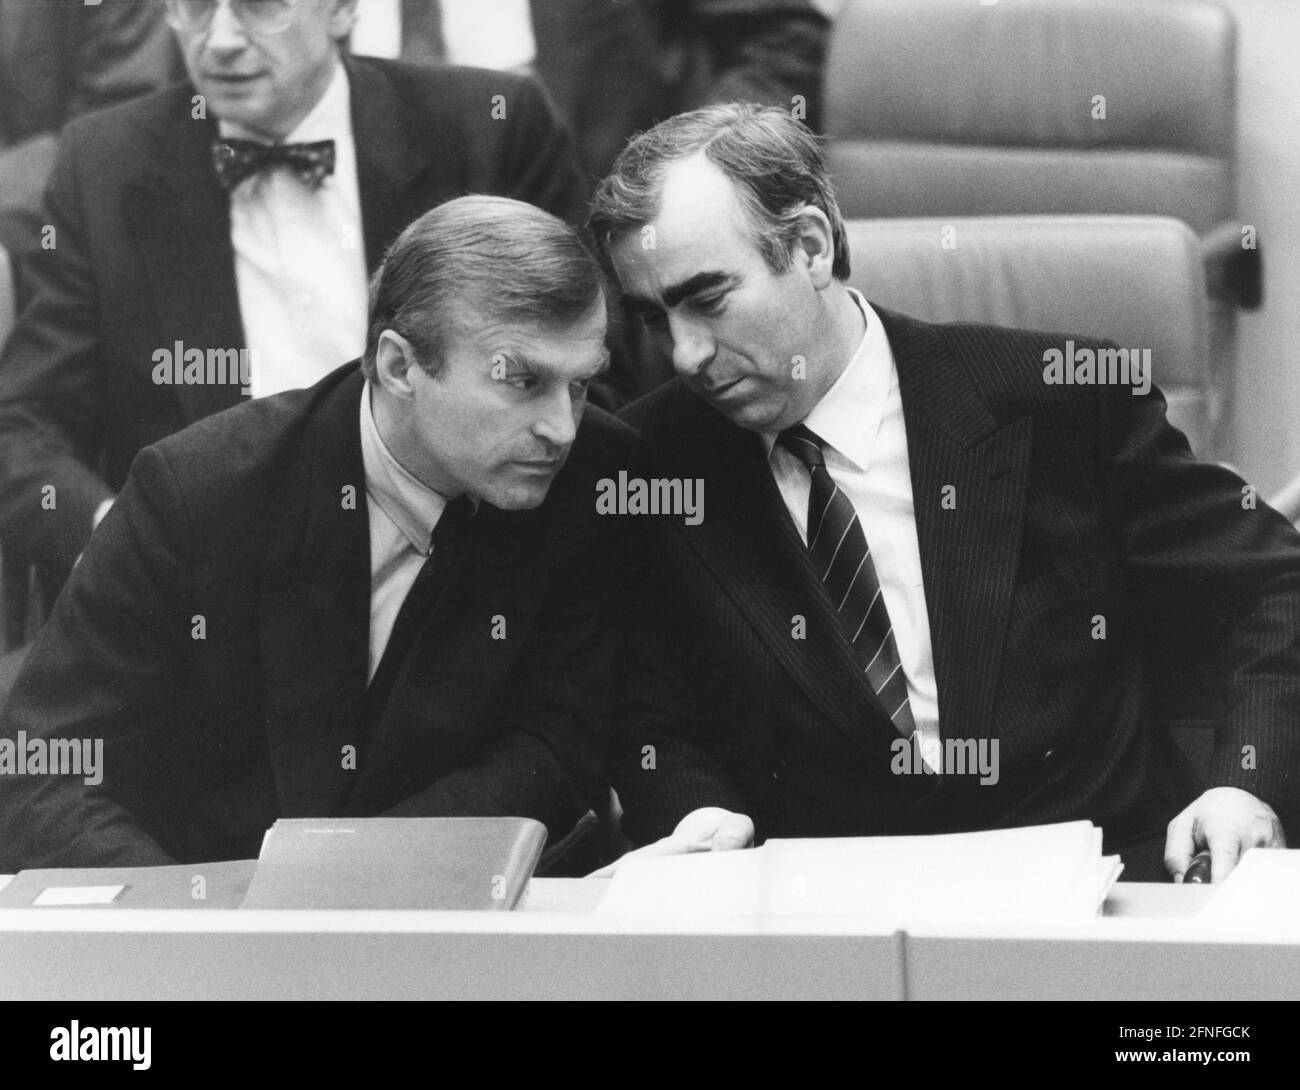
column 673, row 295
column 535, row 367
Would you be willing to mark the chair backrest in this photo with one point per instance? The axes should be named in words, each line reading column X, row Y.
column 1135, row 280
column 951, row 107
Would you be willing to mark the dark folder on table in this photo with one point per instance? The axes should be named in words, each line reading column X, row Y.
column 396, row 863
column 324, row 863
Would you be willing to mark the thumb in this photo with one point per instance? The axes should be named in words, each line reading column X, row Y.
column 734, row 831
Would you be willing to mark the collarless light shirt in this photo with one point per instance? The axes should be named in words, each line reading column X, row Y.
column 300, row 263
column 403, row 513
column 860, row 422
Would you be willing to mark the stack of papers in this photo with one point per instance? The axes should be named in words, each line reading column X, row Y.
column 1041, row 872
column 1264, row 888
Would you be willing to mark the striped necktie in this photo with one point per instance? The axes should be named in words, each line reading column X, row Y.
column 839, row 552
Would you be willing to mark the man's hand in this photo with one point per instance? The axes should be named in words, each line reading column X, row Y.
column 708, row 829
column 1227, row 821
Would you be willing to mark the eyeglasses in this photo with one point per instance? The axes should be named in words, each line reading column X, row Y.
column 257, row 16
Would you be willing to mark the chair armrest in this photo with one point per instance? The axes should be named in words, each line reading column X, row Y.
column 1233, row 271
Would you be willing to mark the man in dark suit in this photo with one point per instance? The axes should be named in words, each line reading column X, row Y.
column 389, row 594
column 931, row 582
column 174, row 228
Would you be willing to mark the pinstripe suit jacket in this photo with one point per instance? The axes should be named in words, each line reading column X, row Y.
column 1073, row 505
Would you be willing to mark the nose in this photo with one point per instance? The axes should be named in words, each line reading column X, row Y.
column 558, row 424
column 693, row 346
column 225, row 33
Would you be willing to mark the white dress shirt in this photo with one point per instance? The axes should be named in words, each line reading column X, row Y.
column 484, row 33
column 403, row 514
column 300, row 262
column 377, row 31
column 860, row 422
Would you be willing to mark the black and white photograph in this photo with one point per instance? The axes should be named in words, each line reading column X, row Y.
column 588, row 500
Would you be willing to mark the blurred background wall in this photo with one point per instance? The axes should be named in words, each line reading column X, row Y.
column 1266, row 430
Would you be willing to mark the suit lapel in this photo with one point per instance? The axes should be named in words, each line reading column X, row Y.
column 399, row 179
column 315, row 614
column 769, row 575
column 970, row 548
column 455, row 669
column 180, row 218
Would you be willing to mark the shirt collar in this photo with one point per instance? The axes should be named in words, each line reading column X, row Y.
column 849, row 413
column 414, row 507
column 329, row 119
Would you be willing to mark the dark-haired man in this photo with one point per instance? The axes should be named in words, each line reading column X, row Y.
column 387, row 594
column 924, row 594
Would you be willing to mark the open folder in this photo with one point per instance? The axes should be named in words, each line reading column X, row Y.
column 1041, row 872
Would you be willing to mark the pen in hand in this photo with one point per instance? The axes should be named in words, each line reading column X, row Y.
column 1198, row 870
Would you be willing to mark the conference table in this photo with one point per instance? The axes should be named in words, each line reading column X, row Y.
column 1147, row 944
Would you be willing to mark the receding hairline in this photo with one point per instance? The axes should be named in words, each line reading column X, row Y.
column 747, row 223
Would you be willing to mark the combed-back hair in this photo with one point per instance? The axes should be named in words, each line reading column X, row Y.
column 491, row 257
column 774, row 161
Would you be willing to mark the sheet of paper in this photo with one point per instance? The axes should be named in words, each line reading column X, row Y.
column 707, row 884
column 1049, row 872
column 77, row 895
column 1264, row 888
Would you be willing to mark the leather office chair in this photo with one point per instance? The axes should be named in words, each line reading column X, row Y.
column 953, row 108
column 1135, row 280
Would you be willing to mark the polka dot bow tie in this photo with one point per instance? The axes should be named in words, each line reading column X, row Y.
column 236, row 160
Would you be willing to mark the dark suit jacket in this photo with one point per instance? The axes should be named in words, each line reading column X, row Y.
column 241, row 520
column 143, row 259
column 1071, row 502
column 617, row 69
column 614, row 69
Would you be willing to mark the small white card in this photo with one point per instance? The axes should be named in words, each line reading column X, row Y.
column 78, row 895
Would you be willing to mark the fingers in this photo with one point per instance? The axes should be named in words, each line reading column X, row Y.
column 734, row 831
column 1180, row 844
column 699, row 825
column 707, row 829
column 1225, row 850
column 1265, row 832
